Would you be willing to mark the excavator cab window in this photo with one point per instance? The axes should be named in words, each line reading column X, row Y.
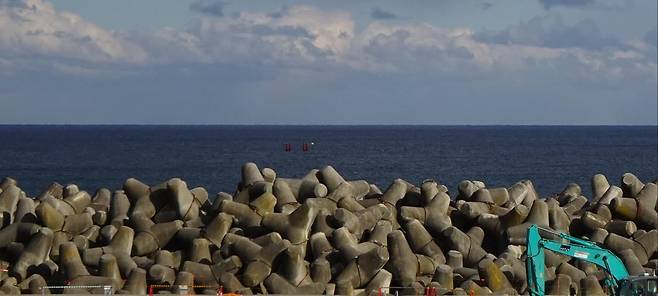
column 639, row 287
column 625, row 289
column 652, row 286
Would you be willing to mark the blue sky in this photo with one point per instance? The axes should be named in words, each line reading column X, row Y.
column 328, row 62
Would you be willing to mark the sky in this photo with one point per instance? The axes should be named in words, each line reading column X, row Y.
column 452, row 62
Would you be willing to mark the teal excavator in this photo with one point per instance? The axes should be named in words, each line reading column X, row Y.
column 618, row 282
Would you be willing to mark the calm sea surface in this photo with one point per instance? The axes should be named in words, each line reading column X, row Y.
column 211, row 156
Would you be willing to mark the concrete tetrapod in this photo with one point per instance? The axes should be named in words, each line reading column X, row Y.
column 538, row 215
column 590, row 286
column 8, row 202
column 293, row 267
column 395, row 192
column 218, row 228
column 612, row 193
column 286, row 201
column 17, row 232
column 34, row 284
column 599, row 186
column 161, row 274
column 119, row 207
column 631, row 209
column 307, row 187
column 467, row 188
column 496, row 224
column 381, row 281
column 631, row 185
column 25, row 210
column 361, row 270
column 330, row 178
column 203, row 273
column 152, row 237
column 9, row 286
column 322, row 223
column 316, row 234
column 136, row 283
column 253, row 184
column 321, row 270
column 422, row 243
column 345, row 196
column 276, row 284
column 434, row 215
column 295, row 226
column 244, row 215
column 71, row 225
column 110, row 269
column 240, row 246
column 573, row 272
column 641, row 247
column 184, row 283
column 348, row 246
column 34, row 254
column 230, row 283
column 120, row 247
column 78, row 201
column 261, row 266
column 232, row 264
column 269, row 174
column 460, row 241
column 360, row 221
column 495, row 278
column 69, row 260
column 558, row 218
column 139, row 195
column 576, row 205
column 403, row 263
column 263, row 204
column 562, row 285
column 188, row 208
column 199, row 251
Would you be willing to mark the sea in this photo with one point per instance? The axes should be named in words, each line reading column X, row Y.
column 211, row 156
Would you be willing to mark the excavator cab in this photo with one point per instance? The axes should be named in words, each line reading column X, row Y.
column 639, row 286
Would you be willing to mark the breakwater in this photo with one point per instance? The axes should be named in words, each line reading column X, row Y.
column 316, row 234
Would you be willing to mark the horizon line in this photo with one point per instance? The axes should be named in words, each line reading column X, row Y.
column 330, row 124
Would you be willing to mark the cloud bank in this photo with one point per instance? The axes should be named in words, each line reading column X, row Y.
column 34, row 28
column 258, row 54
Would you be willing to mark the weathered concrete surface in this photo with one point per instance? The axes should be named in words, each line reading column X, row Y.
column 319, row 233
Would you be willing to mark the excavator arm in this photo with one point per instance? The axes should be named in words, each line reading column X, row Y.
column 570, row 246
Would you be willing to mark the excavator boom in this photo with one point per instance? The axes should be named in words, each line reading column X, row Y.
column 573, row 247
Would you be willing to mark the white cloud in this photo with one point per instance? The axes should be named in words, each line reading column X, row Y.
column 298, row 35
column 34, row 27
column 308, row 37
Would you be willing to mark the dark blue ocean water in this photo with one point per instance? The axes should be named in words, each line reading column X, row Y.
column 211, row 156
